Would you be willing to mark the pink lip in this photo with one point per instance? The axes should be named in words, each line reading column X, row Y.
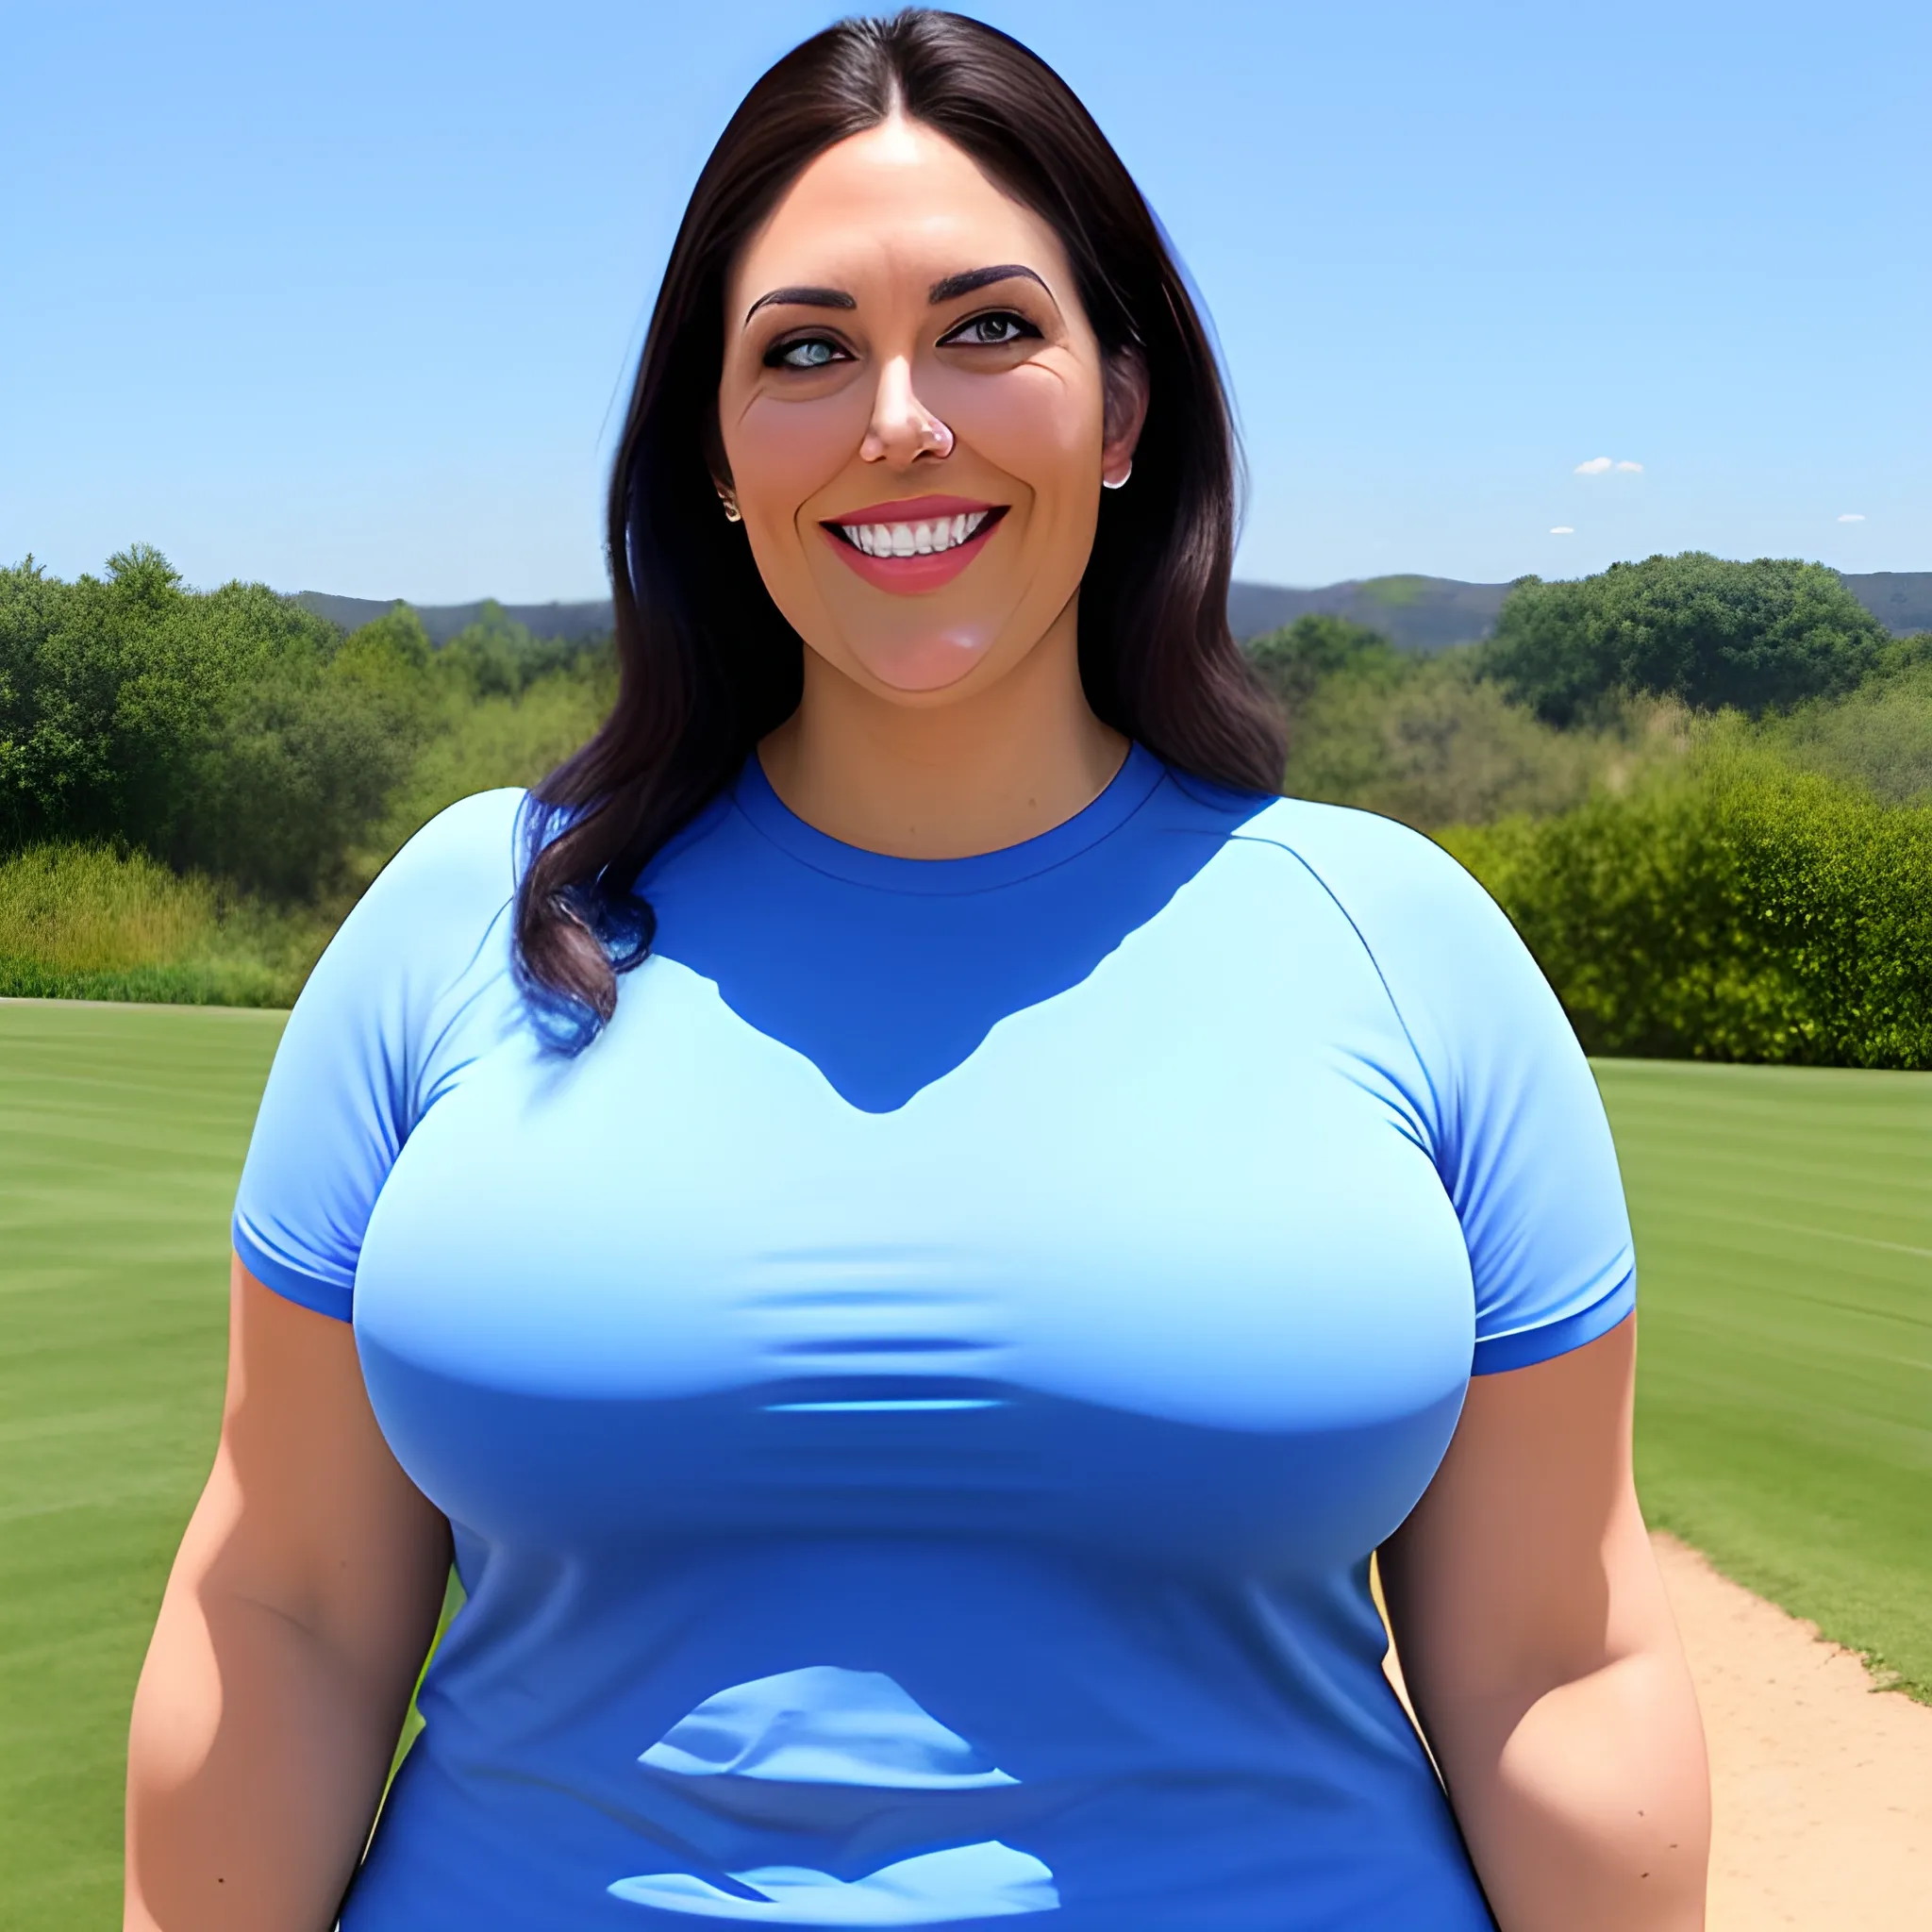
column 912, row 576
column 914, row 509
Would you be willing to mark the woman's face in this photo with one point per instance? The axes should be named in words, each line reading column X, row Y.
column 915, row 415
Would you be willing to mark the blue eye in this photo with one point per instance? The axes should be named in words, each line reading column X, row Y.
column 811, row 352
column 992, row 331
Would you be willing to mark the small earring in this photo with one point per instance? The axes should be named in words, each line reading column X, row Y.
column 729, row 504
column 1118, row 482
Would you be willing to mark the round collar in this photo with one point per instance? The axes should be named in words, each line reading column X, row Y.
column 1122, row 796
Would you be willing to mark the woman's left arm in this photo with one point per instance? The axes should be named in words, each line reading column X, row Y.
column 1541, row 1656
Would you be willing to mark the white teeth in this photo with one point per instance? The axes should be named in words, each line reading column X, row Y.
column 914, row 539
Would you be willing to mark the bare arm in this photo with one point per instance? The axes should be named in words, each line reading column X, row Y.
column 304, row 1597
column 1545, row 1666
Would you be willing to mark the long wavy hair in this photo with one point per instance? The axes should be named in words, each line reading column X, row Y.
column 706, row 666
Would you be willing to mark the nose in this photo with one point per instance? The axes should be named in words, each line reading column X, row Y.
column 901, row 428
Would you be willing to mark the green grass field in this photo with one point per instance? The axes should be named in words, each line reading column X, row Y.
column 1784, row 1246
column 1784, row 1226
column 121, row 1129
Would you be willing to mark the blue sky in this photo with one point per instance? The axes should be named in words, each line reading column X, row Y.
column 344, row 297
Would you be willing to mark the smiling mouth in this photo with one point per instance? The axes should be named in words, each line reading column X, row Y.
column 916, row 536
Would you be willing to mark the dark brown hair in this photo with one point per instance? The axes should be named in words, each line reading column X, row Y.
column 706, row 666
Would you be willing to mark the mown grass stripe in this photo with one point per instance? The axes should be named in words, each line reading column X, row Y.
column 1784, row 1424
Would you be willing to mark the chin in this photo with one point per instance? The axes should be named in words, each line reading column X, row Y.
column 922, row 665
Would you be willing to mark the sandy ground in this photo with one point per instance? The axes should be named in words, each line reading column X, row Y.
column 1820, row 1785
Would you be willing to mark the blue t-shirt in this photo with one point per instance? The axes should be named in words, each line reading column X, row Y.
column 916, row 1397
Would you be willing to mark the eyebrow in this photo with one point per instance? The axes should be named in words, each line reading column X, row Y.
column 950, row 288
column 802, row 298
column 947, row 289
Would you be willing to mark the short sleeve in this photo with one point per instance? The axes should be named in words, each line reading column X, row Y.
column 1516, row 1125
column 351, row 1075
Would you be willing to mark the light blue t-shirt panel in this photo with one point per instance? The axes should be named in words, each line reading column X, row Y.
column 417, row 986
column 915, row 1398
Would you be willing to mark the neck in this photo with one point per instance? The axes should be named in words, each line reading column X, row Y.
column 946, row 780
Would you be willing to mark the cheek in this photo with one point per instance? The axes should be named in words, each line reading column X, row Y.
column 1030, row 421
column 782, row 453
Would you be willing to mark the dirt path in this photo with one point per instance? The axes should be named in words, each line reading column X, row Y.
column 1822, row 1786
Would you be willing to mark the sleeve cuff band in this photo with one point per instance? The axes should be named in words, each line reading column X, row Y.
column 325, row 1297
column 1531, row 1346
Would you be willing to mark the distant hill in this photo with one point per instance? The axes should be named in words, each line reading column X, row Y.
column 1901, row 600
column 569, row 621
column 1421, row 613
column 1417, row 613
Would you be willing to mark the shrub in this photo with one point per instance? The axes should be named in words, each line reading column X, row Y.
column 1737, row 911
column 1431, row 740
column 1440, row 746
column 1878, row 737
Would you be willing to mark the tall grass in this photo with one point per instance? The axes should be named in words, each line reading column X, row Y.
column 96, row 921
column 89, row 908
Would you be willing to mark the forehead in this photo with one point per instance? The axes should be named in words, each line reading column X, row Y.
column 898, row 198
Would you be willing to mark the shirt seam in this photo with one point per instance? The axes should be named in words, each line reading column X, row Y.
column 1422, row 1063
column 437, row 1022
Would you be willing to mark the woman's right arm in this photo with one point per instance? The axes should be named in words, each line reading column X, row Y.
column 300, row 1607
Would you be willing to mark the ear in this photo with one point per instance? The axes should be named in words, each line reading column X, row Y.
column 1124, row 388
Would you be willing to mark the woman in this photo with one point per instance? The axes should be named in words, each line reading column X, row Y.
column 915, row 1381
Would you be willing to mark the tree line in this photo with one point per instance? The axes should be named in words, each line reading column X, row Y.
column 228, row 732
column 1702, row 788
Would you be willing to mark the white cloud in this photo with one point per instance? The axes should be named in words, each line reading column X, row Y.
column 1633, row 469
column 1562, row 530
column 1852, row 516
column 1596, row 467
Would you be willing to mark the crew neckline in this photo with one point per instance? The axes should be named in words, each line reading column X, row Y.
column 1123, row 795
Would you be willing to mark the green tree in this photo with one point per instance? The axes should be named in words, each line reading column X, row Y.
column 497, row 657
column 108, row 684
column 1296, row 661
column 1757, row 636
column 227, row 730
column 303, row 757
